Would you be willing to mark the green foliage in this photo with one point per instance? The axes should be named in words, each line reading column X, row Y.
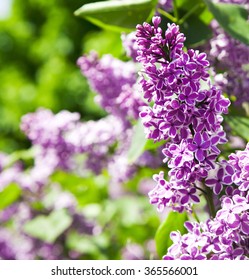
column 194, row 19
column 86, row 190
column 138, row 142
column 118, row 15
column 239, row 126
column 9, row 195
column 88, row 245
column 104, row 42
column 48, row 228
column 39, row 47
column 233, row 18
column 174, row 221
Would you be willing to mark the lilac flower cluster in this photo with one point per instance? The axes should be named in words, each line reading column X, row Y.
column 183, row 113
column 129, row 40
column 231, row 175
column 225, row 236
column 114, row 81
column 94, row 139
column 230, row 58
column 46, row 130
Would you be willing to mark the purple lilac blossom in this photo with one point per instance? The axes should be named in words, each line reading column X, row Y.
column 46, row 131
column 230, row 58
column 113, row 80
column 226, row 236
column 94, row 139
column 72, row 145
column 223, row 238
column 130, row 45
column 183, row 113
column 129, row 40
column 232, row 175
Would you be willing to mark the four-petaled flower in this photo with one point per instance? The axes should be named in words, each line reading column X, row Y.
column 199, row 146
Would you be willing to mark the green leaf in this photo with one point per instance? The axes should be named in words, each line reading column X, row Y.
column 48, row 228
column 138, row 142
column 151, row 145
column 117, row 15
column 233, row 18
column 175, row 221
column 196, row 26
column 103, row 42
column 239, row 125
column 9, row 195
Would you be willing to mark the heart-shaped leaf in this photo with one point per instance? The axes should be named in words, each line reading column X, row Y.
column 118, row 15
column 48, row 228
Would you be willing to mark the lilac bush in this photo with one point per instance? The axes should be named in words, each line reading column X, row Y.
column 164, row 133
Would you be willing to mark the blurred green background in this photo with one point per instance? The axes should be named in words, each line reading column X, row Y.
column 40, row 42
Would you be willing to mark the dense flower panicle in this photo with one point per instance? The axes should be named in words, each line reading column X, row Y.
column 231, row 175
column 78, row 147
column 113, row 80
column 183, row 113
column 61, row 137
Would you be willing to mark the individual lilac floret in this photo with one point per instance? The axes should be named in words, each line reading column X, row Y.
column 113, row 80
column 223, row 238
column 180, row 111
